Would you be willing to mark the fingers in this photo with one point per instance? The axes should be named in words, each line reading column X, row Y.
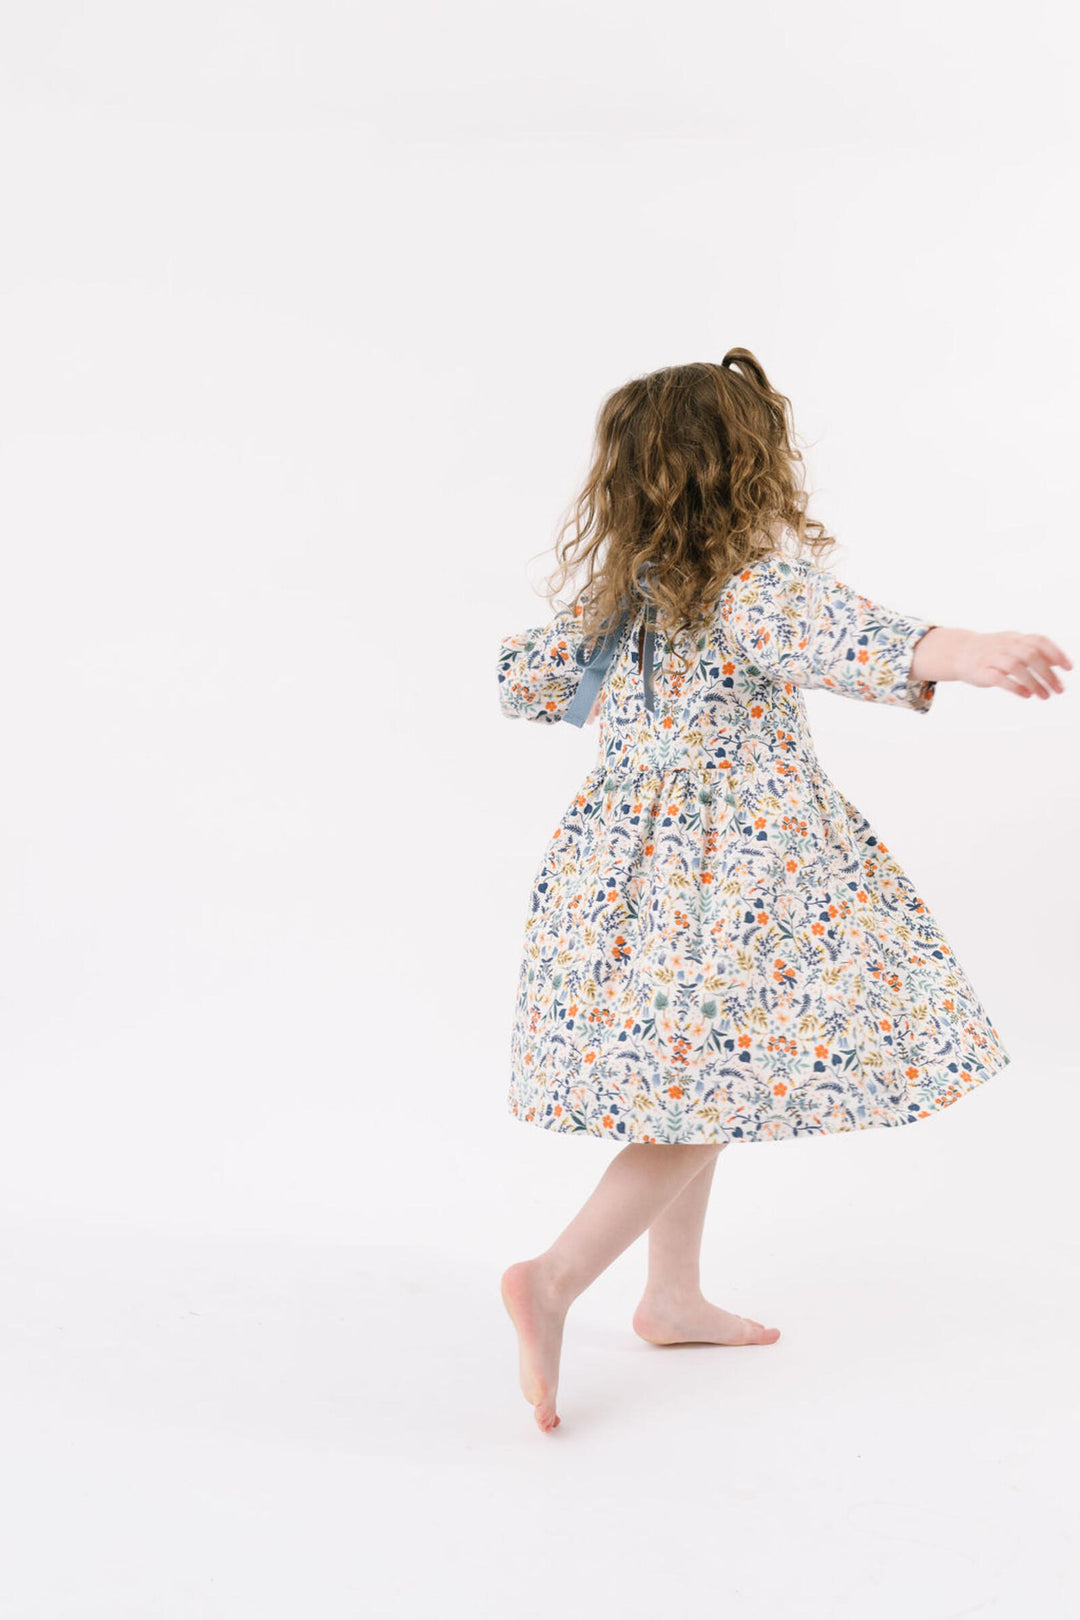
column 1017, row 677
column 1039, row 663
column 1026, row 667
column 1012, row 684
column 1052, row 651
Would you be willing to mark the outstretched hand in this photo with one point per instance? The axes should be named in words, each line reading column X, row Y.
column 1012, row 659
column 1009, row 658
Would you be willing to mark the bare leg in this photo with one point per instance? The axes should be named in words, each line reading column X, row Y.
column 673, row 1310
column 636, row 1186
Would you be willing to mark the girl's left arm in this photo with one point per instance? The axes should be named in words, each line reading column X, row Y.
column 537, row 670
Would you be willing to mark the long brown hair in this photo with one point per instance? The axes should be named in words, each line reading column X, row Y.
column 696, row 473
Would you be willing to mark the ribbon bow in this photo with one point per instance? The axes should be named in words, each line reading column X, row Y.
column 596, row 665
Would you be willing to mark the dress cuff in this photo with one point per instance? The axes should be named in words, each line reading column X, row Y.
column 918, row 695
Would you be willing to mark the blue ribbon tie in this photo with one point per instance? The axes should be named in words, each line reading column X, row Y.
column 596, row 667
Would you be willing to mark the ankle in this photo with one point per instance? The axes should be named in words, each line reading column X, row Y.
column 670, row 1293
column 559, row 1282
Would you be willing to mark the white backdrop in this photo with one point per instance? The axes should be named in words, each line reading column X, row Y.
column 307, row 315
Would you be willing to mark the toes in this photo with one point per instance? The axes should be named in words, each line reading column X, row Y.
column 763, row 1334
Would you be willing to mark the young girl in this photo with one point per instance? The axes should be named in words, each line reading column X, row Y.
column 719, row 948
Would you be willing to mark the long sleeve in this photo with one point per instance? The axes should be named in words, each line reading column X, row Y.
column 537, row 669
column 796, row 622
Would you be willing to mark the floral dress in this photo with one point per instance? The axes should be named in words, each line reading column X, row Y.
column 718, row 946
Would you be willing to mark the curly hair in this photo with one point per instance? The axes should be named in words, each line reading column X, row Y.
column 695, row 475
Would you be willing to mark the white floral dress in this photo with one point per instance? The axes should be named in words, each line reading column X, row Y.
column 718, row 946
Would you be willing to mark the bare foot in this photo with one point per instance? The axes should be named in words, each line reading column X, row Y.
column 695, row 1321
column 538, row 1318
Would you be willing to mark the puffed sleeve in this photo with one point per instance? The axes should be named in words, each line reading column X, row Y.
column 795, row 621
column 537, row 668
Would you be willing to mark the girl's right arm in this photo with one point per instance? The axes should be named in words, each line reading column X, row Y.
column 1018, row 662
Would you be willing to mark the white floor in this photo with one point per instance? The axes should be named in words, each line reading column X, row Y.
column 222, row 1426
